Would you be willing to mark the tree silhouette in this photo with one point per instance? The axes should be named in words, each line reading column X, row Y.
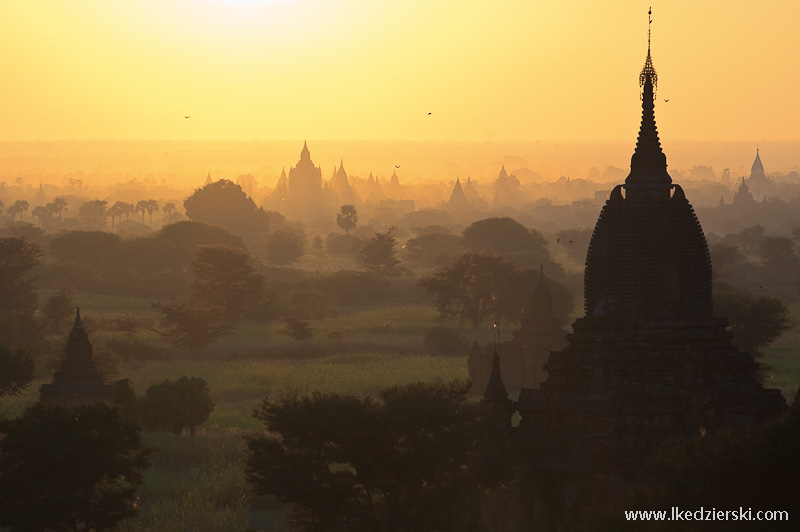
column 58, row 309
column 18, row 207
column 355, row 463
column 184, row 236
column 16, row 371
column 755, row 321
column 502, row 235
column 225, row 204
column 58, row 205
column 39, row 212
column 150, row 206
column 284, row 246
column 170, row 208
column 141, row 207
column 379, row 256
column 469, row 288
column 347, row 218
column 225, row 278
column 116, row 211
column 189, row 326
column 18, row 257
column 93, row 213
column 433, row 249
column 174, row 406
column 127, row 209
column 70, row 468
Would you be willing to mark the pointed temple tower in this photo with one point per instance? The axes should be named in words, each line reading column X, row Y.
column 457, row 201
column 760, row 184
column 648, row 365
column 78, row 381
column 743, row 197
column 305, row 198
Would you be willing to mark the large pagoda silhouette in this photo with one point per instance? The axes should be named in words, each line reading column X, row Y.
column 648, row 365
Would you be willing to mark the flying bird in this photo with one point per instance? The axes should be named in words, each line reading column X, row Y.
column 429, row 114
column 397, row 166
column 666, row 100
column 187, row 116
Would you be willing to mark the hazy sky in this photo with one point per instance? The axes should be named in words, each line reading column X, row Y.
column 374, row 69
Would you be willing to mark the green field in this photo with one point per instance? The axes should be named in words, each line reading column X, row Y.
column 198, row 483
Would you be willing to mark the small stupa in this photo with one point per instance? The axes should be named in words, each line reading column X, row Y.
column 78, row 381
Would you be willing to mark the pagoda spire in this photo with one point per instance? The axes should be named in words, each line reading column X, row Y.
column 648, row 179
column 495, row 390
column 304, row 153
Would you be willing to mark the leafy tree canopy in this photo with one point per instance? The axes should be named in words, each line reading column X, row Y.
column 284, row 245
column 93, row 214
column 184, row 403
column 379, row 256
column 16, row 371
column 69, row 468
column 468, row 289
column 347, row 218
column 225, row 278
column 223, row 203
column 502, row 235
column 189, row 326
column 87, row 248
column 433, row 249
column 355, row 463
column 755, row 321
column 18, row 257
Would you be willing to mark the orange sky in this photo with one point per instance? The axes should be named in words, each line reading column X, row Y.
column 366, row 69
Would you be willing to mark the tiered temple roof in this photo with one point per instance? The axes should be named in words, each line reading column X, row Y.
column 648, row 364
column 77, row 381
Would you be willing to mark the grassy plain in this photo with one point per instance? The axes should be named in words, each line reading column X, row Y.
column 198, row 483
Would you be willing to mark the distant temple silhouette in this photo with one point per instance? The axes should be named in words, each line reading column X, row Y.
column 760, row 185
column 648, row 365
column 743, row 197
column 77, row 381
column 522, row 358
column 304, row 195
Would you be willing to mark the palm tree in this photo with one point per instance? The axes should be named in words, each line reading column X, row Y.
column 38, row 212
column 57, row 205
column 151, row 206
column 126, row 208
column 116, row 211
column 18, row 207
column 347, row 218
column 141, row 206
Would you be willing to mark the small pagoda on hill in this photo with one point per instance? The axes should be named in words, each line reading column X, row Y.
column 78, row 381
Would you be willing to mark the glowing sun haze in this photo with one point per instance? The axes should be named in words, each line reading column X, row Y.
column 366, row 69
